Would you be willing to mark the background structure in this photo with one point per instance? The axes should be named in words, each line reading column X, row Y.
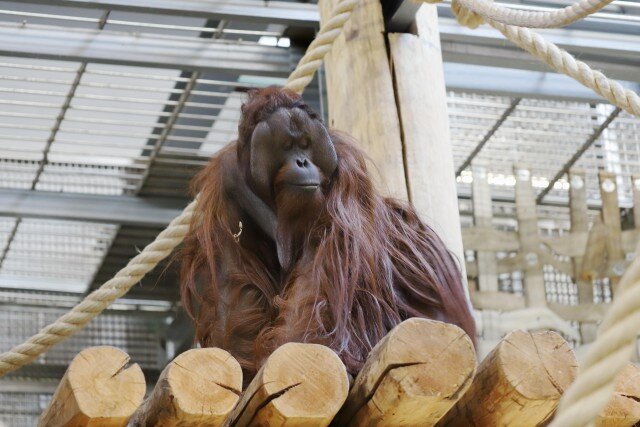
column 108, row 108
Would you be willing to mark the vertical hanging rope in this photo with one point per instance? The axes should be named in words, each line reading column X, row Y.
column 97, row 301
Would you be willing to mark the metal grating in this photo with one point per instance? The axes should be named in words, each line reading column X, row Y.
column 137, row 334
column 543, row 134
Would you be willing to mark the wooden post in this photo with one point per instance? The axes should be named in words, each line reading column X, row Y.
column 482, row 217
column 360, row 92
column 100, row 388
column 623, row 410
column 635, row 184
column 611, row 220
column 199, row 387
column 422, row 105
column 299, row 385
column 534, row 290
column 518, row 384
column 580, row 224
column 412, row 377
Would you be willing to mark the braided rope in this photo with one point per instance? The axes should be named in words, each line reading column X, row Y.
column 521, row 18
column 97, row 301
column 563, row 62
column 312, row 59
column 610, row 353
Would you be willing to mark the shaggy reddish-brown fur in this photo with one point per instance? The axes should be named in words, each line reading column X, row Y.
column 361, row 262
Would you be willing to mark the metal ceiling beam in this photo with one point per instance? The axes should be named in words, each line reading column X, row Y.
column 124, row 210
column 146, row 50
column 617, row 55
column 505, row 115
column 576, row 156
column 272, row 12
column 519, row 83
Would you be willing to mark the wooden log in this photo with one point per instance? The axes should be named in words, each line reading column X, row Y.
column 518, row 384
column 534, row 289
column 611, row 219
column 360, row 92
column 424, row 118
column 412, row 377
column 299, row 385
column 623, row 410
column 100, row 388
column 199, row 387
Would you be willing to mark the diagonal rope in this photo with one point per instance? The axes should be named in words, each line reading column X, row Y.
column 97, row 301
column 521, row 18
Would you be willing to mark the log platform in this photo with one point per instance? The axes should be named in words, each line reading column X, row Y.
column 423, row 373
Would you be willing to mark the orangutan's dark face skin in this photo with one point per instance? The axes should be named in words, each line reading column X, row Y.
column 322, row 256
column 290, row 152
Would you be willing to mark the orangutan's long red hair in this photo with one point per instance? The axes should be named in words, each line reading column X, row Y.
column 368, row 263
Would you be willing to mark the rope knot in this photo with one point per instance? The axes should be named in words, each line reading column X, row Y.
column 466, row 16
column 463, row 14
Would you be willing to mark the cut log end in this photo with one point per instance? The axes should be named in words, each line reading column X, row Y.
column 412, row 377
column 538, row 365
column 199, row 387
column 519, row 383
column 299, row 384
column 623, row 410
column 100, row 384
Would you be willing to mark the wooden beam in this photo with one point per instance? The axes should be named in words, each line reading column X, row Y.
column 519, row 383
column 360, row 92
column 534, row 289
column 611, row 219
column 623, row 410
column 299, row 385
column 572, row 244
column 482, row 218
column 635, row 184
column 488, row 239
column 586, row 312
column 412, row 377
column 500, row 301
column 422, row 105
column 101, row 387
column 579, row 224
column 199, row 387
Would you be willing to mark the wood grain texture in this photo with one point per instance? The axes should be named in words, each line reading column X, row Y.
column 199, row 387
column 611, row 218
column 299, row 385
column 483, row 220
column 360, row 92
column 518, row 384
column 422, row 105
column 623, row 410
column 100, row 388
column 534, row 289
column 412, row 377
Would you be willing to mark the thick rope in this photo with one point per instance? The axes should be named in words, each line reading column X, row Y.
column 101, row 298
column 521, row 18
column 563, row 62
column 609, row 354
column 312, row 59
column 96, row 302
